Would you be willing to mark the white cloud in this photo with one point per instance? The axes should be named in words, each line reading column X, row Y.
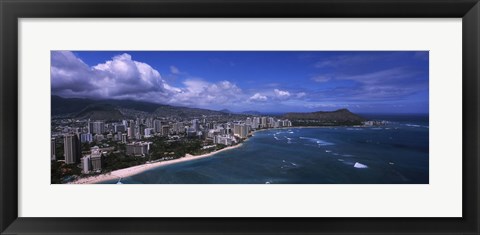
column 258, row 97
column 321, row 78
column 301, row 94
column 119, row 77
column 124, row 78
column 174, row 70
column 201, row 93
column 281, row 94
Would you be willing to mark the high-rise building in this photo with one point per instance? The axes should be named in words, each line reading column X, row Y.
column 130, row 132
column 149, row 122
column 92, row 162
column 195, row 124
column 85, row 162
column 263, row 122
column 72, row 149
column 53, row 151
column 124, row 138
column 138, row 148
column 178, row 127
column 120, row 128
column 148, row 132
column 256, row 122
column 157, row 125
column 240, row 130
column 224, row 139
column 228, row 129
column 248, row 121
column 165, row 130
column 86, row 138
column 96, row 158
column 271, row 122
column 96, row 127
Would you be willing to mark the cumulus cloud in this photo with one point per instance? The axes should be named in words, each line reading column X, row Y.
column 258, row 97
column 120, row 77
column 281, row 94
column 69, row 73
column 124, row 78
column 199, row 92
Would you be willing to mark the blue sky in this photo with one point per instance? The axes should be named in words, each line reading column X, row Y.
column 266, row 81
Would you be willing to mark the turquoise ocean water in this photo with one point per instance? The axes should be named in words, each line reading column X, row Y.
column 397, row 153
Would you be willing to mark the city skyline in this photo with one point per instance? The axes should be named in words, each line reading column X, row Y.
column 273, row 81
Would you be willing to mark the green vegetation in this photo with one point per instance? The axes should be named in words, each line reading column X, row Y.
column 167, row 149
column 61, row 172
column 117, row 160
column 59, row 153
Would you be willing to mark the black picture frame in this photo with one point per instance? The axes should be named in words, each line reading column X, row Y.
column 12, row 10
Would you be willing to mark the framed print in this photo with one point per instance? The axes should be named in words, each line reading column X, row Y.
column 239, row 117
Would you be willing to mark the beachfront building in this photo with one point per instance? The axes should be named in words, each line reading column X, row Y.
column 138, row 148
column 225, row 139
column 263, row 122
column 92, row 162
column 72, row 150
column 240, row 130
column 256, row 123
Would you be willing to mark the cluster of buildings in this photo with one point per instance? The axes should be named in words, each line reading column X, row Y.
column 136, row 133
column 375, row 123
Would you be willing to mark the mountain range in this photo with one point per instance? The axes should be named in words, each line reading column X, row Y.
column 121, row 109
column 337, row 116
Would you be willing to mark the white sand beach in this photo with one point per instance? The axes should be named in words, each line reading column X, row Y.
column 122, row 173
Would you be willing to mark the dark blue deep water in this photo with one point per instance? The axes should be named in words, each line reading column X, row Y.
column 393, row 154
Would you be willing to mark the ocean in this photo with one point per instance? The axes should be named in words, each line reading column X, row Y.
column 397, row 153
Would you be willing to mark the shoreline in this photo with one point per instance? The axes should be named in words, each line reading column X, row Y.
column 303, row 127
column 133, row 170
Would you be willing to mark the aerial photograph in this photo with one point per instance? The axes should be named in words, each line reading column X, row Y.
column 239, row 117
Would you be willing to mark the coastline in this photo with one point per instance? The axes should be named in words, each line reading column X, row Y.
column 305, row 127
column 126, row 172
